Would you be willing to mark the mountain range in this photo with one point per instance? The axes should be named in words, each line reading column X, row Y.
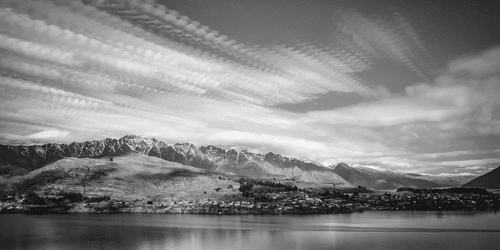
column 19, row 160
column 379, row 179
column 210, row 158
column 445, row 180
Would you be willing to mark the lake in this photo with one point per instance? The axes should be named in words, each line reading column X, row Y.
column 368, row 230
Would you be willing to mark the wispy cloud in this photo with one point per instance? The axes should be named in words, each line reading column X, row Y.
column 379, row 38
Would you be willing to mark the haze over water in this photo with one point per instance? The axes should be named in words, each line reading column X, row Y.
column 369, row 230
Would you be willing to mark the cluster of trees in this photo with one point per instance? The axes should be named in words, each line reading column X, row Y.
column 62, row 198
column 246, row 185
column 245, row 181
column 245, row 188
column 98, row 199
column 271, row 183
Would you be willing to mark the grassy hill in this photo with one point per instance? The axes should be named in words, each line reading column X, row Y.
column 128, row 177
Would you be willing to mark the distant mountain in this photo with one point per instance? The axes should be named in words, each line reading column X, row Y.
column 209, row 157
column 132, row 176
column 488, row 180
column 377, row 179
column 446, row 180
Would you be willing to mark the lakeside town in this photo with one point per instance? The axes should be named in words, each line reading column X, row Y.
column 264, row 197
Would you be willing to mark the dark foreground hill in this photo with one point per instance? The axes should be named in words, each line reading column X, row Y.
column 489, row 180
column 211, row 158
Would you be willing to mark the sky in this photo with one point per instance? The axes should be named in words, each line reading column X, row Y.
column 411, row 86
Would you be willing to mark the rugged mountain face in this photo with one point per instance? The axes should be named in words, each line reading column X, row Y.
column 488, row 180
column 209, row 157
column 377, row 179
column 37, row 156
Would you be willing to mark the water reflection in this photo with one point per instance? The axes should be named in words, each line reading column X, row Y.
column 377, row 230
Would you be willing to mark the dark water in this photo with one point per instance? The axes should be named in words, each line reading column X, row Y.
column 369, row 230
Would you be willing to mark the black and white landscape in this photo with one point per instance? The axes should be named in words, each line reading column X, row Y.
column 385, row 111
column 140, row 172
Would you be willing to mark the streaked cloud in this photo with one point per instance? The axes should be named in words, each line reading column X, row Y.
column 378, row 37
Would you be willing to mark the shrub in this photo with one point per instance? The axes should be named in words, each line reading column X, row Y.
column 33, row 199
column 72, row 196
column 98, row 199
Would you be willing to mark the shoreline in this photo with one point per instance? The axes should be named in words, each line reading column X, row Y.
column 273, row 203
column 40, row 210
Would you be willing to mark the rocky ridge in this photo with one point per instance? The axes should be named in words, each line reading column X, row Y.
column 207, row 157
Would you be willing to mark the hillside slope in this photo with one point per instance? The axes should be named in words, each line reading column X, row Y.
column 488, row 180
column 129, row 176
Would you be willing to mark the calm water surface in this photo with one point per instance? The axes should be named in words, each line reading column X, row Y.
column 369, row 230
